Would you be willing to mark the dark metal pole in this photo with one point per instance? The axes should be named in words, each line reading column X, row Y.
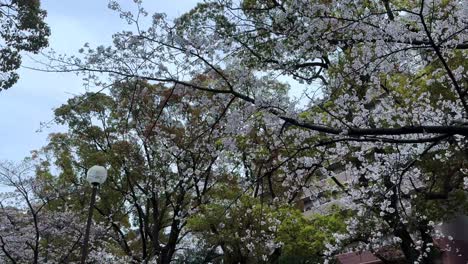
column 84, row 250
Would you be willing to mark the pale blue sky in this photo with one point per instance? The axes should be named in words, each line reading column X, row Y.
column 32, row 100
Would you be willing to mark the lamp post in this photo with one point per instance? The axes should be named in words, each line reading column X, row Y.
column 96, row 175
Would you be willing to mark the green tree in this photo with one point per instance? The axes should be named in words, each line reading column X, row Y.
column 22, row 28
column 158, row 144
column 250, row 230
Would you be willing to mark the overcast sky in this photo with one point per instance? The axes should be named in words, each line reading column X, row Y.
column 32, row 100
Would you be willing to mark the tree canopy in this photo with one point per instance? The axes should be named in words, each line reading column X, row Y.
column 22, row 28
column 213, row 151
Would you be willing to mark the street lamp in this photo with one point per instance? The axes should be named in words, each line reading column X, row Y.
column 96, row 175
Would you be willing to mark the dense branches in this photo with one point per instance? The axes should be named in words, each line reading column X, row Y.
column 379, row 122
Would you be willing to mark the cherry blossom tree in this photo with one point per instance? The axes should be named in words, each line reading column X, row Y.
column 383, row 99
column 32, row 228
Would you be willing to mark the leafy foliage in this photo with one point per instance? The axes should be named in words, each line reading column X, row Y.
column 22, row 28
column 207, row 146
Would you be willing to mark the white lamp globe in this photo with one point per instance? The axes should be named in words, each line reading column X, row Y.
column 96, row 175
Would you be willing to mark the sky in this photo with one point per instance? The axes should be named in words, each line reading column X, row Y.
column 31, row 101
